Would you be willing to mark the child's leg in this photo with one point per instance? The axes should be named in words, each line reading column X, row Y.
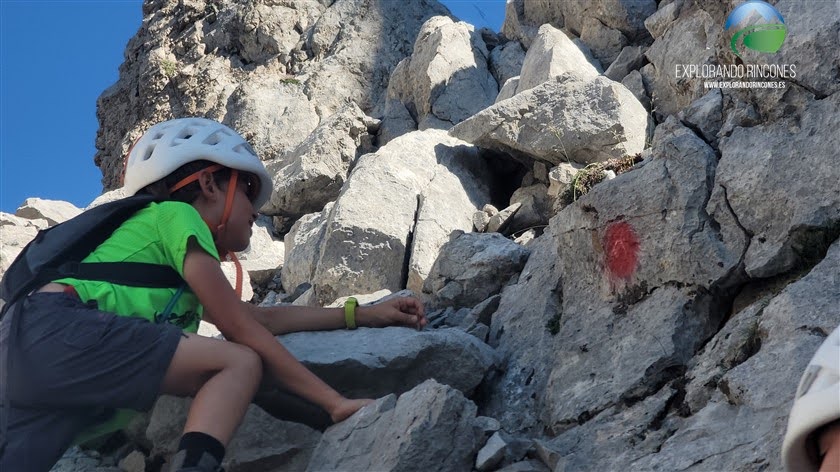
column 222, row 376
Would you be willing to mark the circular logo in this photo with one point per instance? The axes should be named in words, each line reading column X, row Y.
column 756, row 25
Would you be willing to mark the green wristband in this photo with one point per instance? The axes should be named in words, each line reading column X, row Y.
column 350, row 313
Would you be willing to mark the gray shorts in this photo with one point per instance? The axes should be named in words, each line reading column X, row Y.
column 68, row 365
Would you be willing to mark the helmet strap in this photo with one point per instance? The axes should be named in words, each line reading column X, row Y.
column 215, row 230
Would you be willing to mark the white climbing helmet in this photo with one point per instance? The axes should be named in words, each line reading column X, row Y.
column 817, row 403
column 168, row 145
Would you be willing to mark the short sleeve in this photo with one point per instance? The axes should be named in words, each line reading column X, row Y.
column 177, row 222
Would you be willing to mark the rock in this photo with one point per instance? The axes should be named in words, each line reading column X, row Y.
column 529, row 465
column 54, row 211
column 629, row 59
column 480, row 221
column 616, row 124
column 534, row 210
column 604, row 42
column 106, row 197
column 446, row 79
column 782, row 173
column 627, row 16
column 610, row 440
column 705, row 115
column 264, row 255
column 501, row 220
column 487, row 425
column 261, row 439
column 508, row 89
column 635, row 84
column 658, row 22
column 483, row 312
column 427, row 185
column 754, row 389
column 372, row 362
column 273, row 131
column 312, row 175
column 690, row 40
column 491, row 454
column 472, row 267
column 506, row 61
column 428, row 428
column 811, row 40
column 302, row 244
column 17, row 233
column 343, row 68
column 554, row 55
column 133, row 462
column 78, row 460
column 560, row 177
column 516, row 26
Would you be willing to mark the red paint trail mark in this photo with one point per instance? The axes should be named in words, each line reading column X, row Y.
column 621, row 247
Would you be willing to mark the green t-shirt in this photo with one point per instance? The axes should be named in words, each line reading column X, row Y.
column 157, row 234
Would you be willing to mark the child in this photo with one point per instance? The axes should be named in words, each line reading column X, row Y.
column 83, row 346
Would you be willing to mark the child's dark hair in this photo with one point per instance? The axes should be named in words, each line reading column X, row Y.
column 190, row 192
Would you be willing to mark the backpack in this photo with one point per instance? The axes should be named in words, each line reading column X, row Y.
column 57, row 252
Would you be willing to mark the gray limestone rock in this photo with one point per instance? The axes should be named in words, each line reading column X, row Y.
column 705, row 115
column 506, row 61
column 629, row 59
column 54, row 211
column 446, row 79
column 554, row 55
column 396, row 210
column 604, row 42
column 313, row 173
column 472, row 267
column 780, row 181
column 561, row 120
column 372, row 362
column 428, row 428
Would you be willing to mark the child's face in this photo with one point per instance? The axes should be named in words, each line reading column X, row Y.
column 237, row 234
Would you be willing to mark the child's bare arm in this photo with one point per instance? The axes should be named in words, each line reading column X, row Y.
column 405, row 311
column 205, row 278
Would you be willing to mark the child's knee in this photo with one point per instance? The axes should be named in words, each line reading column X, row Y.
column 249, row 362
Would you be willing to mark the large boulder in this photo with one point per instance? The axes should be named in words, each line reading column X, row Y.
column 554, row 55
column 432, row 427
column 446, row 79
column 302, row 245
column 566, row 119
column 396, row 210
column 349, row 61
column 54, row 211
column 626, row 16
column 745, row 379
column 313, row 173
column 16, row 232
column 780, row 181
column 372, row 362
column 472, row 267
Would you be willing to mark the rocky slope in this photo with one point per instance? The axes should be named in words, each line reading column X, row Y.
column 623, row 269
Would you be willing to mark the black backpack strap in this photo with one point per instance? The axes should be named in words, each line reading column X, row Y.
column 135, row 274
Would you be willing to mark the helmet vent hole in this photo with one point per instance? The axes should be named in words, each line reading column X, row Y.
column 246, row 148
column 148, row 153
column 157, row 135
column 184, row 135
column 213, row 139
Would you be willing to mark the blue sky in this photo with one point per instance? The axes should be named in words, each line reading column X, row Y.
column 56, row 57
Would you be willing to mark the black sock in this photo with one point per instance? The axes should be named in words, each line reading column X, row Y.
column 196, row 444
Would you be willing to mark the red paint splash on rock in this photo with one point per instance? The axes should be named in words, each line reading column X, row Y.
column 621, row 248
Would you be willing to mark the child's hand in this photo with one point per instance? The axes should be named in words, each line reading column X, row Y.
column 402, row 311
column 347, row 407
